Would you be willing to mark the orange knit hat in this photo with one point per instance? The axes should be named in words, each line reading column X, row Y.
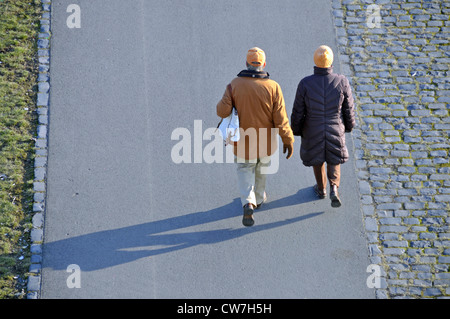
column 323, row 57
column 256, row 57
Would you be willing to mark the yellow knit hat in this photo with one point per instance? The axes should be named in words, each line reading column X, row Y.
column 256, row 57
column 323, row 57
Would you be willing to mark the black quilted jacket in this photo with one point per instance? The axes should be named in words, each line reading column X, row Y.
column 323, row 111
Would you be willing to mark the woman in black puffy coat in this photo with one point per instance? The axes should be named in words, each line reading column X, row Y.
column 323, row 111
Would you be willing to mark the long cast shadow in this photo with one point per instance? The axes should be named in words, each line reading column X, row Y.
column 303, row 196
column 109, row 248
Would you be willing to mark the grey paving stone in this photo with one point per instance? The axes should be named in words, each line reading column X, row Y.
column 403, row 144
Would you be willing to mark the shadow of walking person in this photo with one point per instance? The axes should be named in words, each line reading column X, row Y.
column 303, row 196
column 109, row 248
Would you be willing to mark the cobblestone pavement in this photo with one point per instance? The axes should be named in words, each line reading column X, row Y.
column 41, row 151
column 397, row 55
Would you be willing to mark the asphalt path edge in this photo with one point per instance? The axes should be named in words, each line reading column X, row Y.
column 40, row 182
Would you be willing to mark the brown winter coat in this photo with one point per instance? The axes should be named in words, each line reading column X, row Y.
column 261, row 108
column 323, row 111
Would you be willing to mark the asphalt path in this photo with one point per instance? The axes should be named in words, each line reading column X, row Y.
column 140, row 225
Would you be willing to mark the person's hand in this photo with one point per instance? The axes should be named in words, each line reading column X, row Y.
column 289, row 148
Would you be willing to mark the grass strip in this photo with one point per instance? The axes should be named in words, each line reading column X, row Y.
column 19, row 29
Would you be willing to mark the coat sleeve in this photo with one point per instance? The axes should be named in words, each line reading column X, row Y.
column 280, row 118
column 348, row 109
column 298, row 111
column 225, row 105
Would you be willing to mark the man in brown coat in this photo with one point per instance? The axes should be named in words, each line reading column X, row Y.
column 262, row 117
column 323, row 111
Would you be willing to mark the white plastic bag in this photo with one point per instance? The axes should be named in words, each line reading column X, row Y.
column 229, row 127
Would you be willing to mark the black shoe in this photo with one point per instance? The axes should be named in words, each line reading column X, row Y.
column 335, row 200
column 320, row 193
column 247, row 219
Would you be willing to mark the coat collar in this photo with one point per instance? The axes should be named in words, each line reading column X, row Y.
column 253, row 74
column 323, row 71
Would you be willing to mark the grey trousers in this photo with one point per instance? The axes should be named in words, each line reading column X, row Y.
column 252, row 179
